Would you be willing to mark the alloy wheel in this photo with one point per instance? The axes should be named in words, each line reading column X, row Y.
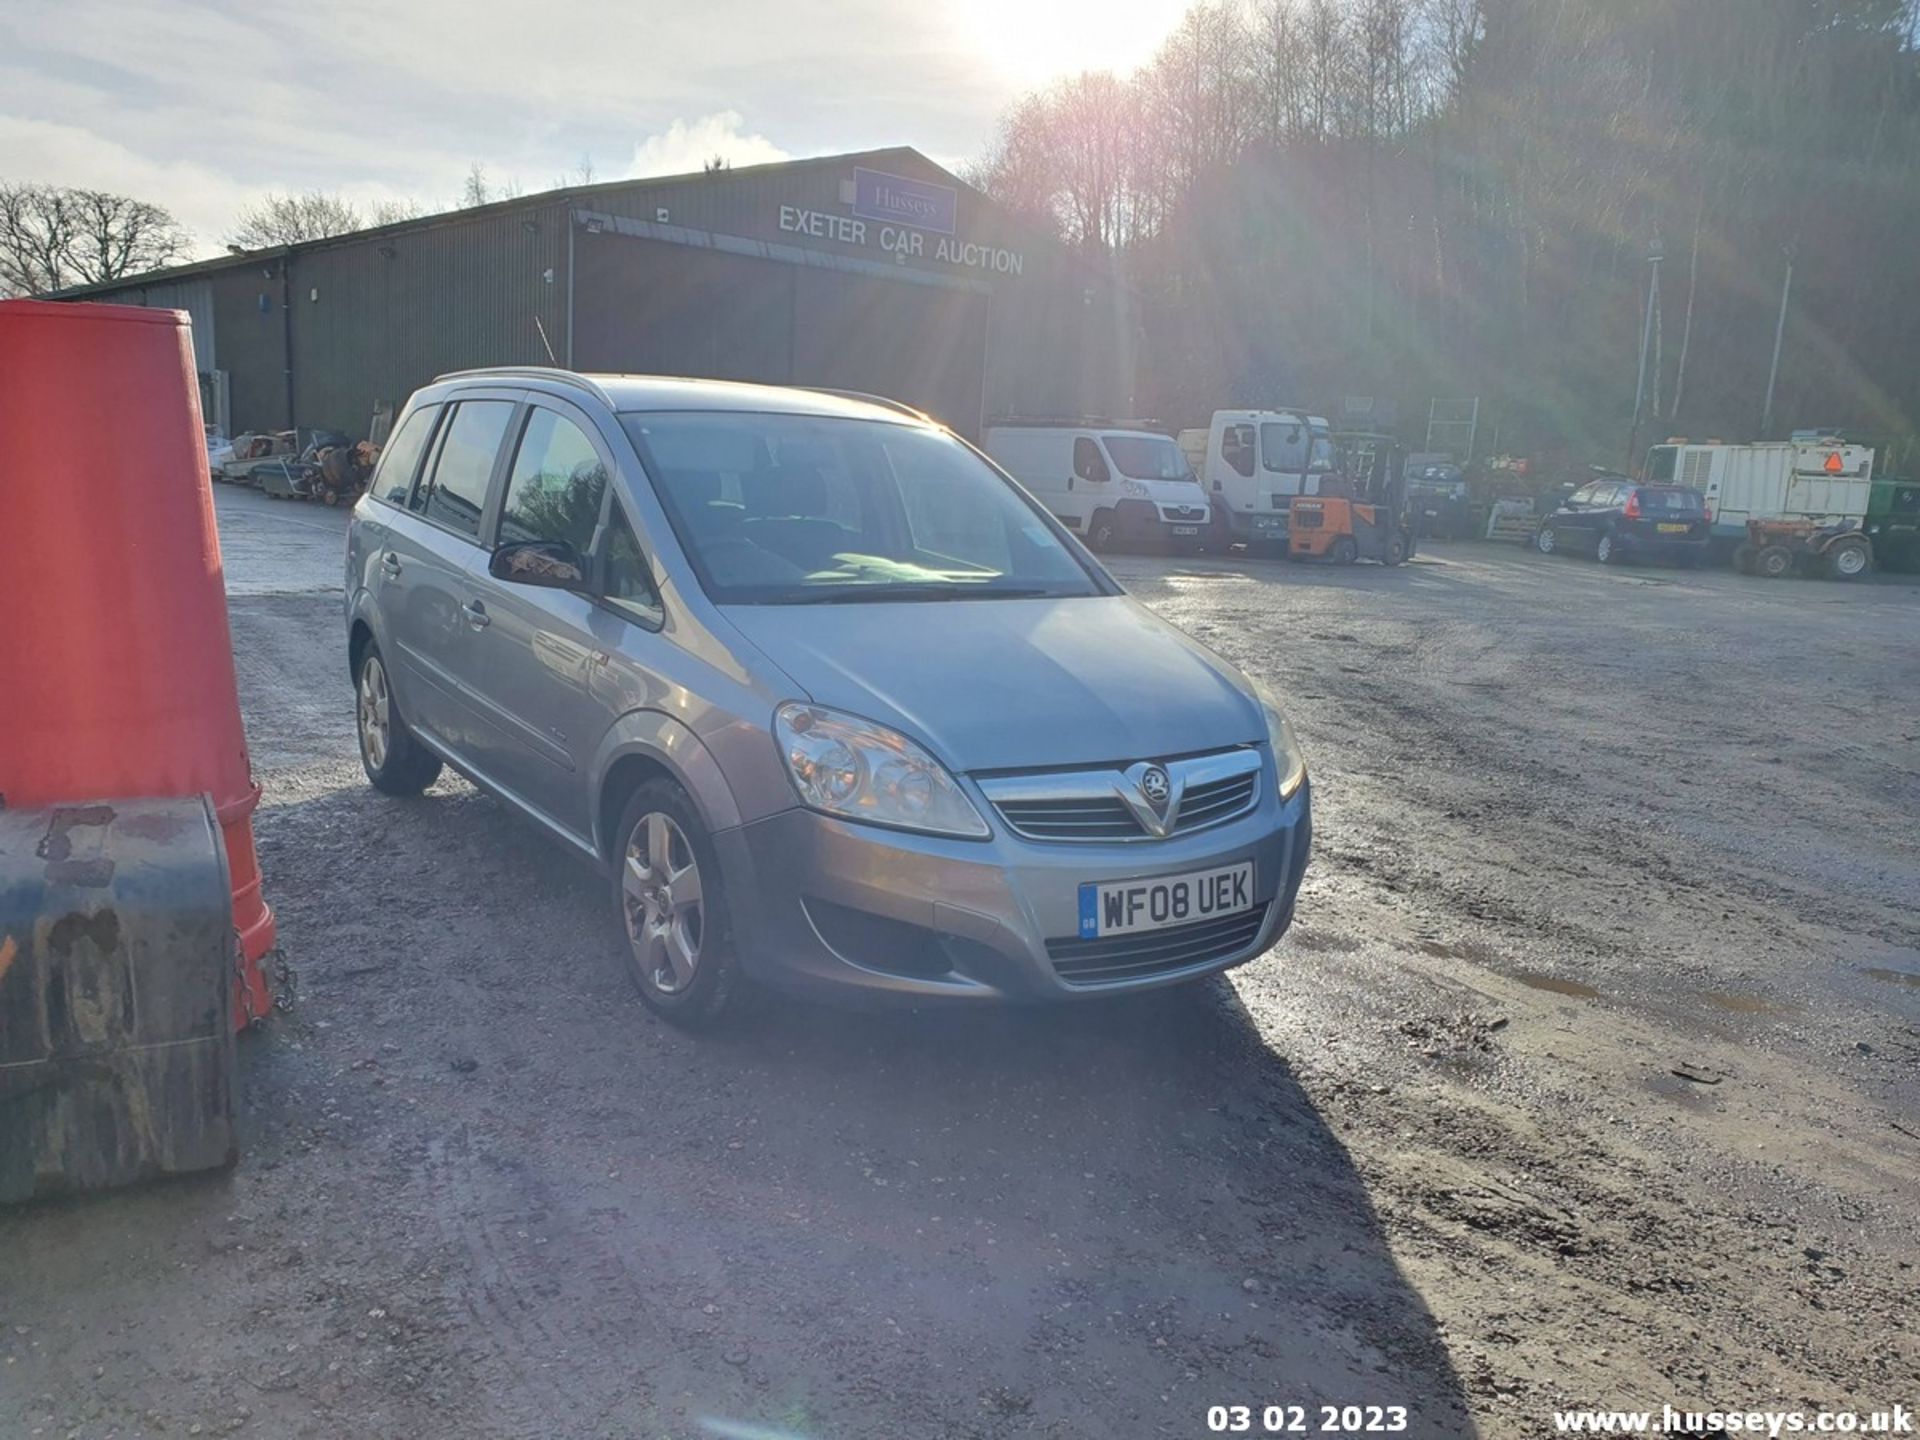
column 663, row 902
column 375, row 712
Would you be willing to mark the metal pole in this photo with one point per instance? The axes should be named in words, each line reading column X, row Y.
column 1779, row 331
column 1646, row 339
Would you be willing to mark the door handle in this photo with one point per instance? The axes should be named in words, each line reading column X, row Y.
column 390, row 563
column 476, row 614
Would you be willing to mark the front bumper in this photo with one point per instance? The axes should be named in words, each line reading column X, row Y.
column 829, row 907
column 1142, row 522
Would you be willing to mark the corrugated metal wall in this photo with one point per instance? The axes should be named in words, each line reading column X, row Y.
column 374, row 320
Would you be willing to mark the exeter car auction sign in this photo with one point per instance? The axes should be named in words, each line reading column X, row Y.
column 909, row 219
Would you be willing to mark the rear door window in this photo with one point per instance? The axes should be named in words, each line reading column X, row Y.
column 456, row 494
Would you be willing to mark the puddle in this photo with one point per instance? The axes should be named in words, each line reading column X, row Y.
column 1893, row 977
column 1744, row 1004
column 1559, row 987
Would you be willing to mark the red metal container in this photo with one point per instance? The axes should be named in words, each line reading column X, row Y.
column 116, row 666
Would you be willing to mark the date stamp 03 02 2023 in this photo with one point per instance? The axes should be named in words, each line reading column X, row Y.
column 1307, row 1419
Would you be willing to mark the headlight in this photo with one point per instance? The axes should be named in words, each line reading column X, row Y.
column 1135, row 489
column 1287, row 757
column 847, row 766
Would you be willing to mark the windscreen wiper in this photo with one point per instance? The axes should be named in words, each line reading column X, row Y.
column 885, row 594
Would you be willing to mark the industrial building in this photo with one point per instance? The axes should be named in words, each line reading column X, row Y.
column 878, row 271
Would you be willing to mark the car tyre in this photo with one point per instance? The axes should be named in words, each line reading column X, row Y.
column 1100, row 532
column 1607, row 550
column 670, row 898
column 395, row 762
column 1774, row 562
column 1545, row 539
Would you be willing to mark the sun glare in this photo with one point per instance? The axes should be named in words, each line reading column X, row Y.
column 1029, row 43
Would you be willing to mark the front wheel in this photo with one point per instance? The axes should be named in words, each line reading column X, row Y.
column 1396, row 551
column 1101, row 532
column 1546, row 540
column 395, row 762
column 673, row 912
column 1775, row 562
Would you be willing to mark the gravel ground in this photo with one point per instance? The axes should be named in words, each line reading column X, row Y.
column 1590, row 1075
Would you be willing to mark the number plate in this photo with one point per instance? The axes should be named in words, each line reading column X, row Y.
column 1667, row 529
column 1119, row 907
column 1186, row 529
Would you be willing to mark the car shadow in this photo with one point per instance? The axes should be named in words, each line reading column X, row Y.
column 495, row 1170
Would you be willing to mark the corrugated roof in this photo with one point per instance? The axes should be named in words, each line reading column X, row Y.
column 497, row 207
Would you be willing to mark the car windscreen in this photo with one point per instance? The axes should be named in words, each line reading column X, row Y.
column 1283, row 447
column 1675, row 500
column 799, row 509
column 1147, row 457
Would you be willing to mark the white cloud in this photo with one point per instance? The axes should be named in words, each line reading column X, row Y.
column 686, row 145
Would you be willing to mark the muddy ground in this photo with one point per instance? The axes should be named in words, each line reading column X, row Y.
column 1590, row 1075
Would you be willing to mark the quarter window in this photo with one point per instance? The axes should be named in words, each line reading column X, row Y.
column 629, row 586
column 457, row 492
column 556, row 486
column 400, row 461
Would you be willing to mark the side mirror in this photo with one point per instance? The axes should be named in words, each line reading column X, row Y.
column 551, row 563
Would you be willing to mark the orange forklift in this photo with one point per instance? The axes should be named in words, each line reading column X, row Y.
column 1361, row 512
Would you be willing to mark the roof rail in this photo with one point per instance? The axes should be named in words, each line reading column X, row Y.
column 1081, row 422
column 531, row 372
column 885, row 402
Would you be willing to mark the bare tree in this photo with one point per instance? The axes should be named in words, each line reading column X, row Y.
column 294, row 219
column 52, row 237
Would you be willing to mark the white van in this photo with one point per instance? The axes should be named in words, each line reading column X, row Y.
column 1252, row 463
column 1108, row 485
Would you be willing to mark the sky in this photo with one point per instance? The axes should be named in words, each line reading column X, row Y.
column 202, row 106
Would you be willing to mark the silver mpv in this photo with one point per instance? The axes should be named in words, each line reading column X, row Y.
column 831, row 701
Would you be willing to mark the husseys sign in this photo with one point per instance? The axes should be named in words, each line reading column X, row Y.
column 909, row 219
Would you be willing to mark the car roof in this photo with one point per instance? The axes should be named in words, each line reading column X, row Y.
column 642, row 393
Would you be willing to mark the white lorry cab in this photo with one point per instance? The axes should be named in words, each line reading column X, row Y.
column 1109, row 484
column 1252, row 463
column 1812, row 477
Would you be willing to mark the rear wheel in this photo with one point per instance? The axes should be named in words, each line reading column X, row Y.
column 1774, row 562
column 1848, row 559
column 394, row 761
column 1607, row 550
column 672, row 905
column 1343, row 551
column 1546, row 540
